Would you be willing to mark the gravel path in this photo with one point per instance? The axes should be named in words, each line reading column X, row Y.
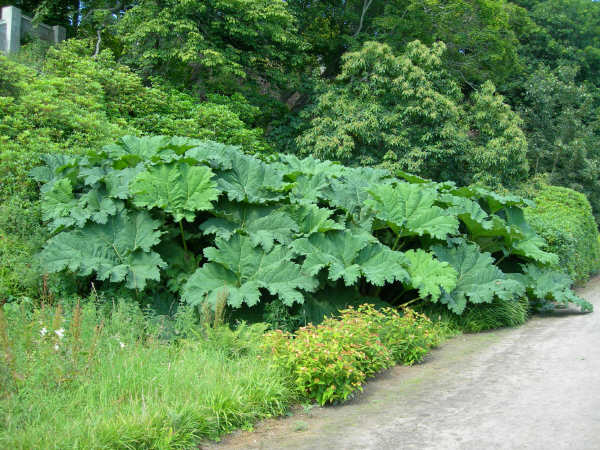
column 534, row 387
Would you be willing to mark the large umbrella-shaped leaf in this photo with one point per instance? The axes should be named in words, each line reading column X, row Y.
column 409, row 210
column 349, row 256
column 177, row 188
column 238, row 271
column 118, row 251
column 479, row 280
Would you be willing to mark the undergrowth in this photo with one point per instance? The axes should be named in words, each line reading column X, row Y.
column 91, row 376
column 482, row 317
column 331, row 361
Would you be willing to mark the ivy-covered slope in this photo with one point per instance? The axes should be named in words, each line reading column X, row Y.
column 205, row 221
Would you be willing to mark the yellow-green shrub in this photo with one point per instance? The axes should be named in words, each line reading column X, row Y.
column 331, row 361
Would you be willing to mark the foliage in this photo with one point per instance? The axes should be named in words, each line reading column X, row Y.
column 479, row 279
column 246, row 237
column 499, row 151
column 546, row 287
column 561, row 121
column 405, row 112
column 485, row 316
column 401, row 109
column 216, row 46
column 566, row 31
column 84, row 375
column 331, row 361
column 564, row 219
column 480, row 35
column 71, row 104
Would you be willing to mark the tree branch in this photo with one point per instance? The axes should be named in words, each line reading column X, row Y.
column 98, row 41
column 366, row 6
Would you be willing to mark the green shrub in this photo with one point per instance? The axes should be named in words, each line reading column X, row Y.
column 68, row 103
column 485, row 316
column 563, row 217
column 331, row 361
column 499, row 314
column 96, row 376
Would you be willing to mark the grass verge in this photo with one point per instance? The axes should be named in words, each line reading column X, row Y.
column 85, row 379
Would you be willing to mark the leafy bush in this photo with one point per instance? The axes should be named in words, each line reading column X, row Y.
column 331, row 361
column 86, row 375
column 564, row 219
column 66, row 104
column 206, row 221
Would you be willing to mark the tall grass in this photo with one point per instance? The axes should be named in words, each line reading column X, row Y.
column 482, row 317
column 89, row 378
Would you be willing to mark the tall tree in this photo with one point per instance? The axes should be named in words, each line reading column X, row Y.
column 399, row 110
column 561, row 122
column 222, row 46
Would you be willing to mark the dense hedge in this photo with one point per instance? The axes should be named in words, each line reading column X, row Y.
column 563, row 217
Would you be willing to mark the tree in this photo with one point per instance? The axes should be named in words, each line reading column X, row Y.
column 479, row 34
column 498, row 155
column 402, row 111
column 216, row 46
column 561, row 122
column 567, row 30
column 333, row 27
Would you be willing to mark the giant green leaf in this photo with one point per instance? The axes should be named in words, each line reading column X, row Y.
column 57, row 204
column 494, row 201
column 352, row 189
column 263, row 224
column 118, row 181
column 349, row 256
column 250, row 180
column 530, row 245
column 238, row 270
column 479, row 280
column 176, row 188
column 118, row 251
column 311, row 219
column 129, row 151
column 62, row 209
column 408, row 209
column 309, row 166
column 547, row 284
column 55, row 168
column 215, row 154
column 430, row 276
column 309, row 189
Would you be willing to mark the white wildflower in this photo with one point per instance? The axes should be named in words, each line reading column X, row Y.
column 60, row 332
column 56, row 347
column 122, row 345
column 43, row 331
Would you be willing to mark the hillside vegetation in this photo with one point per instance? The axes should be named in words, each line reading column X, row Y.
column 287, row 197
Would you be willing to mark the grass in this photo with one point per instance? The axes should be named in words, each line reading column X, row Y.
column 482, row 317
column 112, row 381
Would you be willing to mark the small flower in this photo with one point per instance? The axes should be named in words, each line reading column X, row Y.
column 56, row 347
column 43, row 331
column 122, row 344
column 60, row 332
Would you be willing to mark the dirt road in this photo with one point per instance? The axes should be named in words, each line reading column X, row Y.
column 535, row 387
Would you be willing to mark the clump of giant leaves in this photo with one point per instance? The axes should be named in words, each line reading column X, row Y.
column 204, row 221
